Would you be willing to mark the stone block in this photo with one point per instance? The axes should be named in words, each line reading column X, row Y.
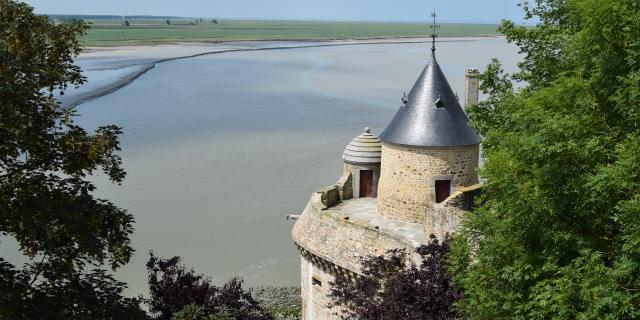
column 345, row 186
column 330, row 196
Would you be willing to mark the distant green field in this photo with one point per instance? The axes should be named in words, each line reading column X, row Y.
column 147, row 31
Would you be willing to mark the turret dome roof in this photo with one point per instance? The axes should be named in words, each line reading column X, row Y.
column 365, row 148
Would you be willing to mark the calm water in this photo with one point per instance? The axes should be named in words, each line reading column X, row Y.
column 219, row 148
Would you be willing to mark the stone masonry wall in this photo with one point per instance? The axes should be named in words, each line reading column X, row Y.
column 342, row 242
column 345, row 186
column 471, row 87
column 330, row 245
column 315, row 288
column 444, row 218
column 408, row 174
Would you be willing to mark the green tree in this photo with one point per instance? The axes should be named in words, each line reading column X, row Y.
column 557, row 235
column 47, row 205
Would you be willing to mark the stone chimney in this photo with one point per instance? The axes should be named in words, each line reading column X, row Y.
column 471, row 87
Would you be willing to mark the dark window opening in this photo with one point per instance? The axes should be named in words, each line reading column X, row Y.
column 315, row 281
column 439, row 103
column 443, row 190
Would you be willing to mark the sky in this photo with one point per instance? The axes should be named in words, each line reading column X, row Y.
column 469, row 11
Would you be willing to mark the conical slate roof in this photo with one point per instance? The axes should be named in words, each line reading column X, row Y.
column 431, row 116
column 365, row 148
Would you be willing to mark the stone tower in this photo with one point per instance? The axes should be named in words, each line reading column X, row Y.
column 428, row 150
column 362, row 164
column 423, row 171
column 471, row 87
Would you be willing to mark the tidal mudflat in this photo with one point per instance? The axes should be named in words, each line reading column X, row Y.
column 219, row 148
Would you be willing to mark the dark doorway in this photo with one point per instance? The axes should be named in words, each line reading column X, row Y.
column 443, row 190
column 366, row 183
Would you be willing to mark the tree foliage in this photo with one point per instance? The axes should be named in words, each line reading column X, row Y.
column 558, row 232
column 389, row 288
column 182, row 294
column 47, row 205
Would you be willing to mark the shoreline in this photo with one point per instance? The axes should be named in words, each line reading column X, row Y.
column 198, row 49
column 148, row 43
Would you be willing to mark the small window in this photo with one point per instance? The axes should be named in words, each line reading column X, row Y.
column 443, row 190
column 439, row 103
column 315, row 280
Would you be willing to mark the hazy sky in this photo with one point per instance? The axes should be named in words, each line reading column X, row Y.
column 489, row 11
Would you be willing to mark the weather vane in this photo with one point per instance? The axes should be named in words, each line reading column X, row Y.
column 434, row 35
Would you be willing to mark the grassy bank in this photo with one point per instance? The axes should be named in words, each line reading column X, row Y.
column 149, row 31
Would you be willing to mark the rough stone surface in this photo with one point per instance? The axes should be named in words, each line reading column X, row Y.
column 329, row 195
column 345, row 186
column 444, row 218
column 333, row 240
column 346, row 233
column 315, row 289
column 471, row 87
column 334, row 233
column 408, row 174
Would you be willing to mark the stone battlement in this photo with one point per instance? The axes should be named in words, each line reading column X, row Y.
column 443, row 218
column 343, row 232
column 333, row 236
column 350, row 230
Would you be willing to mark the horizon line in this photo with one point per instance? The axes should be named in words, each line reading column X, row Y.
column 287, row 19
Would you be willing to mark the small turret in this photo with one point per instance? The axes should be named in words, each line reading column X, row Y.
column 362, row 160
